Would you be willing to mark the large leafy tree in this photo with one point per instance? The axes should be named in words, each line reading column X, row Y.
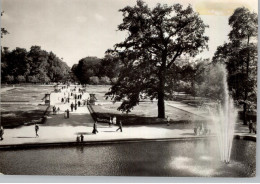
column 156, row 38
column 36, row 65
column 240, row 57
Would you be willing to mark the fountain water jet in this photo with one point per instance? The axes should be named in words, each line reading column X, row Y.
column 224, row 116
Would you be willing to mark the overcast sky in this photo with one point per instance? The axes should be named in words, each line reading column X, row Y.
column 74, row 29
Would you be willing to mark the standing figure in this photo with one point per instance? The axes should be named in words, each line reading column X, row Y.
column 78, row 138
column 54, row 109
column 1, row 133
column 65, row 114
column 68, row 113
column 36, row 130
column 95, row 128
column 114, row 120
column 120, row 127
column 110, row 122
column 81, row 138
column 71, row 106
column 75, row 106
column 250, row 126
column 168, row 121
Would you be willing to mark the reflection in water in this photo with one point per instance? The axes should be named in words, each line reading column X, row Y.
column 175, row 158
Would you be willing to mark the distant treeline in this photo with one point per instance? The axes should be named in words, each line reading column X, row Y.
column 34, row 66
column 92, row 70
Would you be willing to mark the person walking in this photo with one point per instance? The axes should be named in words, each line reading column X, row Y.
column 79, row 103
column 54, row 109
column 114, row 120
column 110, row 122
column 71, row 106
column 68, row 113
column 250, row 126
column 120, row 127
column 95, row 128
column 78, row 138
column 75, row 106
column 81, row 138
column 168, row 121
column 1, row 133
column 36, row 130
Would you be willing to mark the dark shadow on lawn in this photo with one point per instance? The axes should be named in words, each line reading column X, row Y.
column 24, row 137
column 131, row 119
column 20, row 118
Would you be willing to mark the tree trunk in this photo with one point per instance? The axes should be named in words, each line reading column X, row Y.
column 244, row 114
column 161, row 107
column 246, row 85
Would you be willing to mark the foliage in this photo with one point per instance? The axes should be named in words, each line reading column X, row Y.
column 37, row 65
column 156, row 38
column 240, row 57
column 94, row 80
column 105, row 69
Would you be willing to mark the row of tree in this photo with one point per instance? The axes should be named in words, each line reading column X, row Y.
column 34, row 66
column 92, row 70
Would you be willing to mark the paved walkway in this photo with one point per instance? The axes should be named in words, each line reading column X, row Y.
column 57, row 129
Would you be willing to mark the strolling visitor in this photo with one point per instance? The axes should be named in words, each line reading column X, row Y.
column 54, row 109
column 75, row 106
column 168, row 120
column 36, row 130
column 120, row 127
column 81, row 138
column 250, row 126
column 79, row 103
column 77, row 139
column 95, row 128
column 1, row 133
column 110, row 122
column 65, row 114
column 68, row 113
column 62, row 100
column 114, row 120
column 71, row 106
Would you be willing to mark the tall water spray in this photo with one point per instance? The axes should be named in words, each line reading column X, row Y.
column 224, row 117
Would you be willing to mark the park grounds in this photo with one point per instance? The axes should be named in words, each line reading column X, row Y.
column 23, row 105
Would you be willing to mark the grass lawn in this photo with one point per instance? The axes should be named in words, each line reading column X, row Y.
column 145, row 113
column 27, row 109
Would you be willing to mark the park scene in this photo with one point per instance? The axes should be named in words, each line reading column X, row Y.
column 129, row 88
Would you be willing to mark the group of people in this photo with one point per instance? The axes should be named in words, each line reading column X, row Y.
column 55, row 110
column 252, row 127
column 95, row 130
column 201, row 130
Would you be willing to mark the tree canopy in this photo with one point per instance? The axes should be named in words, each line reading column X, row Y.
column 240, row 57
column 35, row 66
column 156, row 39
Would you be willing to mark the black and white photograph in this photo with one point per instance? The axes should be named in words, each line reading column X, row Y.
column 150, row 88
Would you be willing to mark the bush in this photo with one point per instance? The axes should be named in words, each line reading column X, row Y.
column 20, row 78
column 9, row 78
column 94, row 80
column 104, row 80
column 114, row 80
